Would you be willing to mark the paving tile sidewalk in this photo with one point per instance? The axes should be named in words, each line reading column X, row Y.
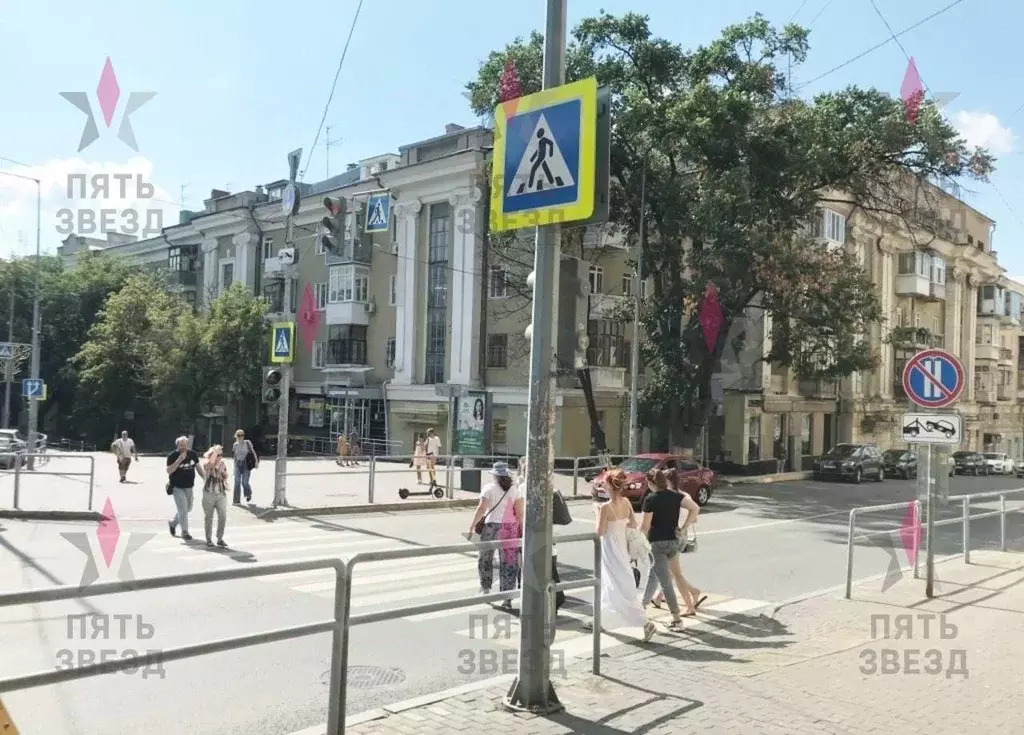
column 793, row 669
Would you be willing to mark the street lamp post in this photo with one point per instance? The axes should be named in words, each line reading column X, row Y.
column 634, row 367
column 33, row 406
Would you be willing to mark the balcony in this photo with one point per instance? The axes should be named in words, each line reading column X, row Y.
column 345, row 353
column 985, row 395
column 1006, row 393
column 986, row 352
column 938, row 291
column 816, row 388
column 607, row 378
column 1006, row 355
column 608, row 306
column 185, row 278
column 353, row 250
column 347, row 312
column 911, row 284
column 992, row 301
column 608, row 351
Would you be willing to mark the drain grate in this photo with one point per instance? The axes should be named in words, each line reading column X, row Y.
column 368, row 677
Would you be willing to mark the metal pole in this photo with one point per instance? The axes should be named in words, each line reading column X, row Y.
column 597, row 608
column 33, row 403
column 917, row 539
column 634, row 359
column 929, row 583
column 967, row 528
column 532, row 690
column 9, row 366
column 849, row 553
column 1002, row 523
column 339, row 655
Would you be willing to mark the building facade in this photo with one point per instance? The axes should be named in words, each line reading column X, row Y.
column 941, row 288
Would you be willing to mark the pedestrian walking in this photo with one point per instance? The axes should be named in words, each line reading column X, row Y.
column 499, row 515
column 661, row 526
column 433, row 449
column 521, row 482
column 692, row 596
column 215, row 493
column 342, row 450
column 182, row 466
column 419, row 456
column 246, row 460
column 124, row 450
column 620, row 599
column 354, row 448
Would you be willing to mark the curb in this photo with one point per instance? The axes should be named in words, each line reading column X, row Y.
column 771, row 479
column 53, row 515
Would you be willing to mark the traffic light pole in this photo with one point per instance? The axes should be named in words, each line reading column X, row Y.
column 532, row 690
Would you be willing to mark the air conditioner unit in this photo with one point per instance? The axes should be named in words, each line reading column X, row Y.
column 371, row 307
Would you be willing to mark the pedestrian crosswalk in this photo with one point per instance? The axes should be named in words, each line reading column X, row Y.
column 387, row 585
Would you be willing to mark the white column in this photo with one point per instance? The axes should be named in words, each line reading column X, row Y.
column 245, row 243
column 465, row 291
column 405, row 287
column 211, row 265
column 952, row 313
column 969, row 326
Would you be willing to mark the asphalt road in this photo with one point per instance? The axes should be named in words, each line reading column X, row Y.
column 758, row 544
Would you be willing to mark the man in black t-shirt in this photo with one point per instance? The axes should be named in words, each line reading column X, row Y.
column 182, row 466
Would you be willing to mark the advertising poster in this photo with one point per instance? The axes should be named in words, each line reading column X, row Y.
column 471, row 424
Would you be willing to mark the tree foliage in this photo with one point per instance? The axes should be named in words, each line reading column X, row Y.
column 736, row 166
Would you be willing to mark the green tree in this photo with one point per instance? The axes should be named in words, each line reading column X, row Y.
column 235, row 335
column 736, row 166
column 178, row 362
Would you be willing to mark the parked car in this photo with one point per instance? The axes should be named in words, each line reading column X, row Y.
column 900, row 463
column 998, row 463
column 969, row 463
column 11, row 436
column 698, row 482
column 850, row 462
column 10, row 453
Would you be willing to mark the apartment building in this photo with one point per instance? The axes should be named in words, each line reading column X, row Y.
column 399, row 315
column 947, row 291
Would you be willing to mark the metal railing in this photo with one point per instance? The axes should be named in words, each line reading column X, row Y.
column 339, row 626
column 964, row 519
column 18, row 470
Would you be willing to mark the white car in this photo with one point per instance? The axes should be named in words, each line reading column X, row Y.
column 999, row 463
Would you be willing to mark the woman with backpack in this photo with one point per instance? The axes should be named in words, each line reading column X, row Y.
column 499, row 515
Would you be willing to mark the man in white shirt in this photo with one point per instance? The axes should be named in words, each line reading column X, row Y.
column 433, row 449
column 124, row 450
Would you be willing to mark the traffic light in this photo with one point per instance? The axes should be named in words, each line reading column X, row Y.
column 271, row 386
column 334, row 226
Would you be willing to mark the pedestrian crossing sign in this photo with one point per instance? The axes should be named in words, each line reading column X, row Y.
column 378, row 212
column 545, row 153
column 282, row 342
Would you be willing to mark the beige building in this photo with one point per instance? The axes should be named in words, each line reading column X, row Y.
column 948, row 291
column 401, row 315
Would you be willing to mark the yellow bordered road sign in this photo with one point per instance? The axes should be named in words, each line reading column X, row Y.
column 545, row 150
column 282, row 342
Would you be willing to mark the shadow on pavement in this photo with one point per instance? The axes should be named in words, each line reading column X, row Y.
column 654, row 700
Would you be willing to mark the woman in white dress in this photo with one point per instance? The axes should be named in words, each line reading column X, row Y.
column 620, row 600
column 419, row 457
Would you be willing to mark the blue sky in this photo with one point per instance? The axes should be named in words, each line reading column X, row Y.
column 239, row 84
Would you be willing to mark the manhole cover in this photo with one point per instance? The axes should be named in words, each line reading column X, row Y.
column 368, row 677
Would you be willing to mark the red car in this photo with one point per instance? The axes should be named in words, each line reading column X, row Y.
column 698, row 482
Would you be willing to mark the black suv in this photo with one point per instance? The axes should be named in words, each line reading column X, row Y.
column 970, row 463
column 850, row 462
column 900, row 463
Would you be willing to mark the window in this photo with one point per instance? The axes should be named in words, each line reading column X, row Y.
column 321, row 296
column 608, row 346
column 627, row 285
column 273, row 292
column 389, row 352
column 268, row 247
column 924, row 264
column 319, row 354
column 438, row 234
column 907, row 264
column 754, row 439
column 227, row 275
column 346, row 345
column 392, row 290
column 985, row 335
column 348, row 283
column 318, row 238
column 596, row 279
column 183, row 258
column 316, row 414
column 835, row 227
column 498, row 283
column 938, row 275
column 805, row 435
column 988, row 292
column 497, row 350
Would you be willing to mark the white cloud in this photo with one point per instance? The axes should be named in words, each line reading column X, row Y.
column 18, row 201
column 984, row 129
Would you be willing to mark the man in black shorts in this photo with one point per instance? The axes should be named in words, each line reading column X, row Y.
column 182, row 466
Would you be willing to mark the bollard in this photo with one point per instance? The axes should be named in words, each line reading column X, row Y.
column 917, row 540
column 92, row 479
column 575, row 475
column 449, row 478
column 17, row 480
column 1002, row 523
column 967, row 529
column 597, row 608
column 373, row 472
column 849, row 554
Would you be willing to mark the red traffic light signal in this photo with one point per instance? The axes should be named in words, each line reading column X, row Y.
column 333, row 226
column 334, row 207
